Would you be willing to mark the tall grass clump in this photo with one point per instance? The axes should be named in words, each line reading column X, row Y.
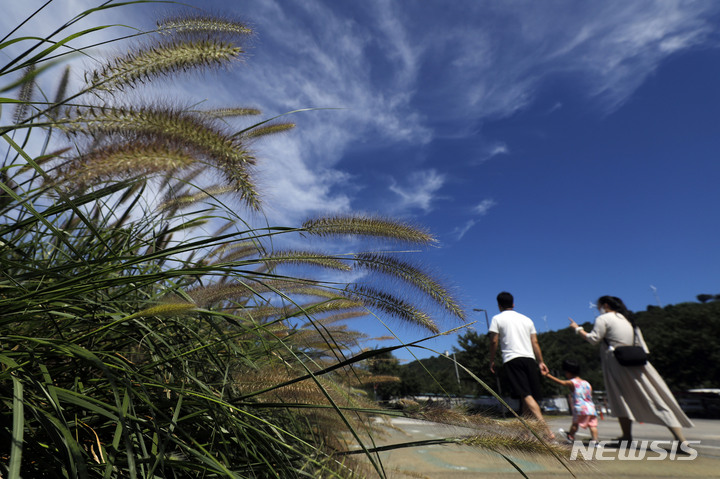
column 148, row 329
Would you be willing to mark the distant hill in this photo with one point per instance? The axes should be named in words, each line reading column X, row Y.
column 684, row 343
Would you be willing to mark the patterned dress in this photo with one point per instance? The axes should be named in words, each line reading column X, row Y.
column 583, row 404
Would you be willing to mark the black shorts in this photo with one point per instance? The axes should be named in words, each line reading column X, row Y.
column 524, row 377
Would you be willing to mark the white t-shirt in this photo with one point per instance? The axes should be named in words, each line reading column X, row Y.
column 514, row 330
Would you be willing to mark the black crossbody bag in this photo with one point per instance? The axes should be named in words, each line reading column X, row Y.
column 630, row 356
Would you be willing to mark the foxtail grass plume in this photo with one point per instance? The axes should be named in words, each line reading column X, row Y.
column 387, row 303
column 412, row 275
column 122, row 161
column 54, row 112
column 324, row 342
column 189, row 131
column 167, row 309
column 305, row 257
column 344, row 316
column 367, row 226
column 239, row 253
column 25, row 96
column 145, row 64
column 235, row 251
column 309, row 309
column 331, row 305
column 242, row 291
column 266, row 130
column 183, row 201
column 203, row 24
column 207, row 296
column 230, row 112
column 318, row 291
column 224, row 227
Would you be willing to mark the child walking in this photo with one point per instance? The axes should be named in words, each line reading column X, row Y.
column 583, row 408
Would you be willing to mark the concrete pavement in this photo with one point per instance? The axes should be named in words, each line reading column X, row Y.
column 463, row 462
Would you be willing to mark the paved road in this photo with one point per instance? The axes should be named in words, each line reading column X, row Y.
column 707, row 431
column 463, row 462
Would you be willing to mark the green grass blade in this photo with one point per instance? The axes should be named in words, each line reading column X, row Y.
column 16, row 447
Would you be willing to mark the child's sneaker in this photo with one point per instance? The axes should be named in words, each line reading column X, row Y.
column 569, row 437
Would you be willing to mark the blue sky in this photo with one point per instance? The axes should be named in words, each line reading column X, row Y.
column 559, row 150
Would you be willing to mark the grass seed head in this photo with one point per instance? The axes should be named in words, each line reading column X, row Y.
column 160, row 60
column 368, row 226
column 203, row 25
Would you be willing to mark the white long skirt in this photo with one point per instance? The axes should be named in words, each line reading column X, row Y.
column 640, row 394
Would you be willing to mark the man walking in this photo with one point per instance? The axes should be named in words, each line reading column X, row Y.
column 517, row 337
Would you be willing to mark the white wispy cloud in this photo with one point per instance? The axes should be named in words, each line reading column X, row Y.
column 481, row 209
column 499, row 53
column 419, row 191
column 292, row 189
column 557, row 106
column 460, row 231
column 484, row 206
column 492, row 151
column 617, row 50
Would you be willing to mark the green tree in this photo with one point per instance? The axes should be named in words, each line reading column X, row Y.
column 385, row 376
column 704, row 298
column 684, row 343
column 434, row 375
column 473, row 352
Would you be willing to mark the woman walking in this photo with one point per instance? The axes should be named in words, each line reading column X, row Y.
column 635, row 393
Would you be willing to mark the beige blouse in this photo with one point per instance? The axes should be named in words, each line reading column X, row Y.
column 616, row 329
